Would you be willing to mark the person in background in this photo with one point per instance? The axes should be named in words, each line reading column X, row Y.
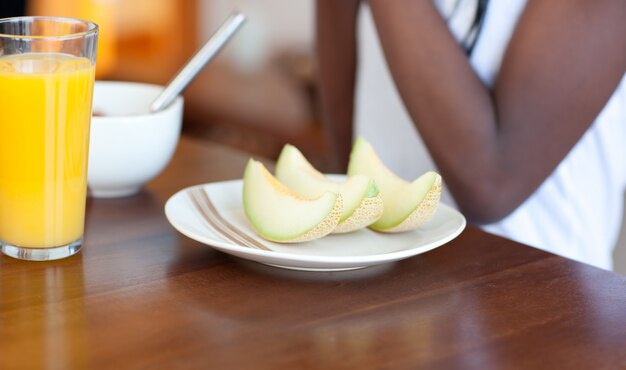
column 521, row 105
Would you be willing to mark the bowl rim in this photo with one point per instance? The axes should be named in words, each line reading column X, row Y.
column 173, row 105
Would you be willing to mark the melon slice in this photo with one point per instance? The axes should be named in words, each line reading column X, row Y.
column 362, row 205
column 408, row 205
column 281, row 215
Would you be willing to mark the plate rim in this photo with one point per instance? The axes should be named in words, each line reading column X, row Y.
column 365, row 260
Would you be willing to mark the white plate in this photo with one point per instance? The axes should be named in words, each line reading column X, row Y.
column 349, row 251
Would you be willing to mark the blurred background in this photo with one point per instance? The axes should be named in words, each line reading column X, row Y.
column 257, row 95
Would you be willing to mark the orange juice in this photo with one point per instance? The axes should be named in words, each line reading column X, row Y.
column 45, row 112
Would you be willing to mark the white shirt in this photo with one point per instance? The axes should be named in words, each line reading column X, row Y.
column 575, row 213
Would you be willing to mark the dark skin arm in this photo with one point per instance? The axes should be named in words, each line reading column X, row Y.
column 495, row 147
column 336, row 53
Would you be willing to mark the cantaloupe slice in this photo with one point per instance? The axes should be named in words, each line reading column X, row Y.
column 362, row 205
column 408, row 205
column 281, row 215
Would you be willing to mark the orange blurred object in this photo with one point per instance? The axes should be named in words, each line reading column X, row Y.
column 140, row 40
column 100, row 12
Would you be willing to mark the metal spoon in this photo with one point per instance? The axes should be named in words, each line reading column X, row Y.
column 198, row 61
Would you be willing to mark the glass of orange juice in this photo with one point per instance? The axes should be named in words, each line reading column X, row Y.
column 47, row 67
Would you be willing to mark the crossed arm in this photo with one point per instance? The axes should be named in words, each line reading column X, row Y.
column 493, row 147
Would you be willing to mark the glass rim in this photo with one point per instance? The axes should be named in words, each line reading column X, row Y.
column 92, row 28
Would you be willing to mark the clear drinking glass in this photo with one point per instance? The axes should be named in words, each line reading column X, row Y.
column 47, row 67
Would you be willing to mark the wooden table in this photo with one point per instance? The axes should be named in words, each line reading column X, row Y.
column 140, row 295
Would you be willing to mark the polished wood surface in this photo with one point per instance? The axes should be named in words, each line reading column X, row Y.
column 142, row 296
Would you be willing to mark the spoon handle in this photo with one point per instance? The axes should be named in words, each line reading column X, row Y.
column 198, row 61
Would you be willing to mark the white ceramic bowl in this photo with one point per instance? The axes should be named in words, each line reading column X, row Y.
column 129, row 146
